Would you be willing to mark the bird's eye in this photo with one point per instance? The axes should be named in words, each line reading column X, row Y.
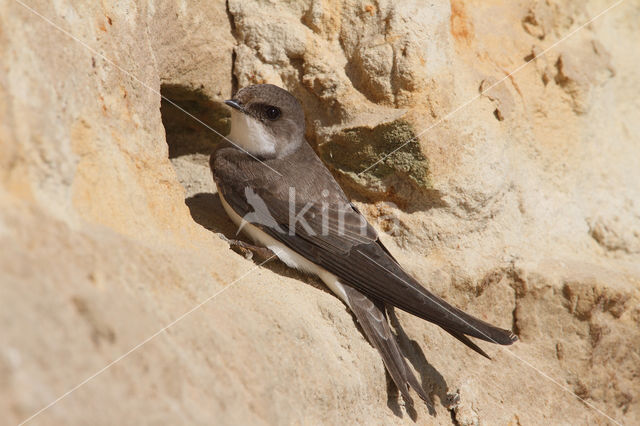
column 272, row 113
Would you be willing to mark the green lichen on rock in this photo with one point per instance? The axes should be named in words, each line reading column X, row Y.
column 355, row 150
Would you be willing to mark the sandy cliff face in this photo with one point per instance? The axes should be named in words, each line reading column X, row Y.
column 514, row 196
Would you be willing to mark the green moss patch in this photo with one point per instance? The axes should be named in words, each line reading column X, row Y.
column 353, row 151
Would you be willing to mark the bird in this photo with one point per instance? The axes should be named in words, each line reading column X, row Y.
column 274, row 187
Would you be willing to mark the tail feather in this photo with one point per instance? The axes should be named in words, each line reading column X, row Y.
column 372, row 319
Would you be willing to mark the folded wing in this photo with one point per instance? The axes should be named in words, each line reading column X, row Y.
column 331, row 233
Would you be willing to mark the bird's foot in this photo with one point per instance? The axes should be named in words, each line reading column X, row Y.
column 249, row 250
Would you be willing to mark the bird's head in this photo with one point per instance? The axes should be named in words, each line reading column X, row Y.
column 266, row 120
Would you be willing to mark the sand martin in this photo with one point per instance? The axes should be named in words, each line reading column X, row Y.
column 287, row 201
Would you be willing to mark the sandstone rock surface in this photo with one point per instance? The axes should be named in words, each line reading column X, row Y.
column 514, row 196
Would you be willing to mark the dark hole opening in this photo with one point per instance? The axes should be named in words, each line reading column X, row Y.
column 186, row 124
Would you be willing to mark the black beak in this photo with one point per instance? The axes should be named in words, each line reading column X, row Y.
column 234, row 104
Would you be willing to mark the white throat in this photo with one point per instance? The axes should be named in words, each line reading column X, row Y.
column 250, row 134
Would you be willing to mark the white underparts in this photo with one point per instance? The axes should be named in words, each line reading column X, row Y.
column 251, row 135
column 285, row 254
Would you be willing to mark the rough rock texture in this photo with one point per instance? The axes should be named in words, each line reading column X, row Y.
column 516, row 197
